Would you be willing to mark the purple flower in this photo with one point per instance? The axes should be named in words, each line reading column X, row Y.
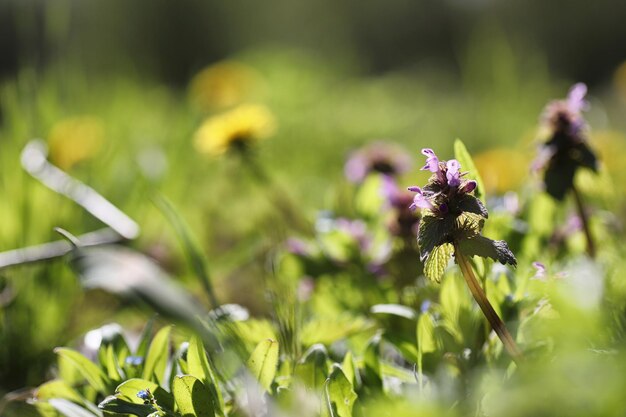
column 419, row 200
column 540, row 270
column 566, row 115
column 576, row 98
column 378, row 157
column 468, row 187
column 432, row 162
column 453, row 175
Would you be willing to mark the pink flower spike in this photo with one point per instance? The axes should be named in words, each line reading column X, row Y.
column 453, row 175
column 432, row 162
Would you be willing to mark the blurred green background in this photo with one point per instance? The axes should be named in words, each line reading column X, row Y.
column 336, row 75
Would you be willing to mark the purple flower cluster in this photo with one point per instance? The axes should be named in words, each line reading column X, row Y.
column 381, row 157
column 446, row 182
column 566, row 115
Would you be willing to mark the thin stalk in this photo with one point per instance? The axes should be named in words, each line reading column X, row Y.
column 481, row 298
column 591, row 247
column 278, row 197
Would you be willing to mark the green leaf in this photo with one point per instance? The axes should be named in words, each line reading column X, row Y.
column 192, row 249
column 468, row 225
column 192, row 397
column 68, row 408
column 200, row 367
column 437, row 261
column 144, row 342
column 110, row 364
column 113, row 404
column 339, row 395
column 372, row 376
column 426, row 341
column 89, row 370
column 156, row 360
column 312, row 369
column 498, row 250
column 127, row 391
column 57, row 389
column 467, row 165
column 469, row 203
column 433, row 231
column 263, row 363
column 349, row 369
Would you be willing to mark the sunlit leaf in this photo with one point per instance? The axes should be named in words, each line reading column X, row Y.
column 467, row 165
column 433, row 231
column 437, row 262
column 498, row 250
column 200, row 367
column 263, row 363
column 192, row 397
column 89, row 370
column 158, row 354
column 339, row 395
column 128, row 390
column 312, row 369
column 57, row 389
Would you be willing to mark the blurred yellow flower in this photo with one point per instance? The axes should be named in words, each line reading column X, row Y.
column 237, row 128
column 75, row 139
column 223, row 85
column 502, row 169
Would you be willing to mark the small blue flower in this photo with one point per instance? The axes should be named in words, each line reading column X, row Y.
column 134, row 360
column 145, row 394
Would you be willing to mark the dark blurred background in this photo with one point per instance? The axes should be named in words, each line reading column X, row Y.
column 581, row 40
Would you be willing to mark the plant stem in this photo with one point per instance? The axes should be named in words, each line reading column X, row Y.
column 485, row 306
column 591, row 247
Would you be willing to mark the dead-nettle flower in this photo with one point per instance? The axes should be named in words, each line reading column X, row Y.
column 452, row 216
column 451, row 224
column 566, row 148
column 380, row 157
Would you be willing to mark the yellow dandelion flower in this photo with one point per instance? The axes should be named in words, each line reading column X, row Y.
column 74, row 140
column 223, row 85
column 237, row 128
column 502, row 169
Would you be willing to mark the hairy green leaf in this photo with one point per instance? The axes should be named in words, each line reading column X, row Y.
column 433, row 231
column 468, row 225
column 498, row 250
column 469, row 203
column 437, row 261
